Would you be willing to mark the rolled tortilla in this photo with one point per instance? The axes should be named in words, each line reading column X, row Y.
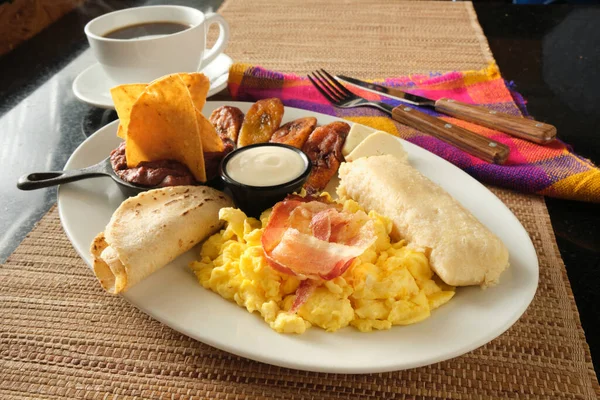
column 151, row 229
column 461, row 250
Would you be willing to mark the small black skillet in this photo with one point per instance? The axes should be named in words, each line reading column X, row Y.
column 39, row 180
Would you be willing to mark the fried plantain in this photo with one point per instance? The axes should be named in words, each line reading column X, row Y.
column 324, row 148
column 295, row 133
column 227, row 121
column 261, row 120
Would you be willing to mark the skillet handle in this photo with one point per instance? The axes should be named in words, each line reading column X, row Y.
column 479, row 146
column 524, row 128
column 39, row 180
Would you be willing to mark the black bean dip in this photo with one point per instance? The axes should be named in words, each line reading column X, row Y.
column 158, row 173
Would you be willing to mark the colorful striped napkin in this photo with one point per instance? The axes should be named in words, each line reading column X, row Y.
column 550, row 170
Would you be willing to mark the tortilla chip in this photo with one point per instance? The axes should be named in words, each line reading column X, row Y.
column 163, row 125
column 121, row 131
column 211, row 142
column 198, row 85
column 123, row 97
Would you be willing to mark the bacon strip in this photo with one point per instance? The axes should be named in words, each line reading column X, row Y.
column 321, row 225
column 304, row 291
column 315, row 240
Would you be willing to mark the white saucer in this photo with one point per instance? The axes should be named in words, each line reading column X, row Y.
column 92, row 86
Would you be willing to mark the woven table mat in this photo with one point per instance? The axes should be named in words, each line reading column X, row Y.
column 61, row 336
column 383, row 37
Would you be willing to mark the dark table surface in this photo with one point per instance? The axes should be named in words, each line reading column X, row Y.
column 551, row 53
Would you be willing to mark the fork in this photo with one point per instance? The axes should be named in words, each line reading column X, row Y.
column 479, row 146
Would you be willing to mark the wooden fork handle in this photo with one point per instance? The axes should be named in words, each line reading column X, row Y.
column 474, row 144
column 524, row 128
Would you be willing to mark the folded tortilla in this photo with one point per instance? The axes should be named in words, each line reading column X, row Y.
column 151, row 229
column 461, row 250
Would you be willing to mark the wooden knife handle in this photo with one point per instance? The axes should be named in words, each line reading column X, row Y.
column 524, row 128
column 474, row 144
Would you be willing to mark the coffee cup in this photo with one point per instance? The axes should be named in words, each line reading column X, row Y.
column 145, row 58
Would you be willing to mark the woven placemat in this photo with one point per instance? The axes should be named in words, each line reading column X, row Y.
column 383, row 37
column 61, row 336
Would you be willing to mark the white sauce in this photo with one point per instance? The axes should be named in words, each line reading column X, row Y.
column 265, row 166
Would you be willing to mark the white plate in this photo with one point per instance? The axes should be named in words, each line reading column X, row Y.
column 92, row 86
column 174, row 296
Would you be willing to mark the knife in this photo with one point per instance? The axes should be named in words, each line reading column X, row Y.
column 524, row 128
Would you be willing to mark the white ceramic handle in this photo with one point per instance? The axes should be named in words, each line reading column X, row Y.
column 221, row 42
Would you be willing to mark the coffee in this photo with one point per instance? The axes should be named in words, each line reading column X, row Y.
column 146, row 29
column 151, row 52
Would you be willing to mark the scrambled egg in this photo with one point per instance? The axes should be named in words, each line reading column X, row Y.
column 389, row 284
